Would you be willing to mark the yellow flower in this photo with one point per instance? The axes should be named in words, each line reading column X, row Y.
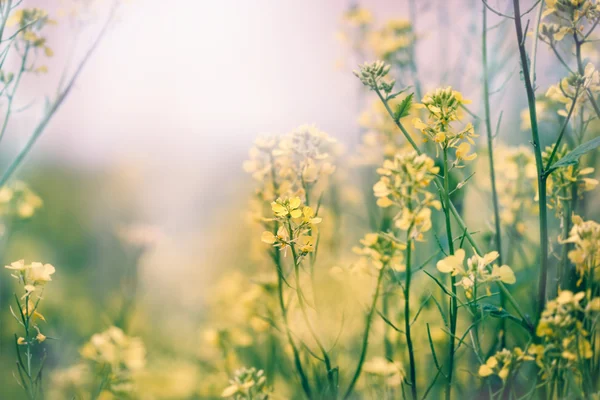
column 268, row 237
column 462, row 152
column 504, row 274
column 452, row 263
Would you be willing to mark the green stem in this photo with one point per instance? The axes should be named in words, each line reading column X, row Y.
column 365, row 342
column 300, row 295
column 409, row 344
column 453, row 303
column 538, row 161
column 488, row 127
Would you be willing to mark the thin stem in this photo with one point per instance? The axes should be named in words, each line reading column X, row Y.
column 488, row 127
column 413, row 60
column 562, row 131
column 538, row 161
column 58, row 101
column 407, row 324
column 453, row 303
column 365, row 342
column 302, row 304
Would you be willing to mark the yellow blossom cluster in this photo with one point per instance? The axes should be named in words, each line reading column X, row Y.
column 574, row 89
column 297, row 226
column 119, row 356
column 504, row 362
column 30, row 22
column 404, row 184
column 247, row 384
column 564, row 181
column 444, row 108
column 571, row 17
column 585, row 236
column 290, row 165
column 563, row 331
column 381, row 250
column 477, row 272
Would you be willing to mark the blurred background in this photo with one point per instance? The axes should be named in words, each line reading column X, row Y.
column 142, row 163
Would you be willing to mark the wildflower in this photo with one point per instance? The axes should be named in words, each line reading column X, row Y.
column 247, row 384
column 562, row 329
column 31, row 276
column 504, row 362
column 297, row 225
column 444, row 108
column 404, row 183
column 477, row 272
column 562, row 180
column 585, row 236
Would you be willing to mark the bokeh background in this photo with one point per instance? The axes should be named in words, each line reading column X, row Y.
column 154, row 134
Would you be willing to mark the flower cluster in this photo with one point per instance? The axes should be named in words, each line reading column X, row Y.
column 570, row 15
column 477, row 272
column 372, row 76
column 30, row 22
column 515, row 182
column 404, row 183
column 297, row 225
column 444, row 108
column 562, row 328
column 585, row 236
column 574, row 89
column 118, row 355
column 504, row 362
column 562, row 180
column 381, row 250
column 247, row 384
column 33, row 277
column 290, row 165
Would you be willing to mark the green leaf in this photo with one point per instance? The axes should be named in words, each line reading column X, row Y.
column 572, row 157
column 403, row 108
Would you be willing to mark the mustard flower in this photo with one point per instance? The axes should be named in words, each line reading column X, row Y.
column 477, row 271
column 562, row 180
column 247, row 384
column 564, row 338
column 444, row 108
column 297, row 225
column 585, row 236
column 404, row 184
column 504, row 362
column 113, row 347
column 32, row 276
